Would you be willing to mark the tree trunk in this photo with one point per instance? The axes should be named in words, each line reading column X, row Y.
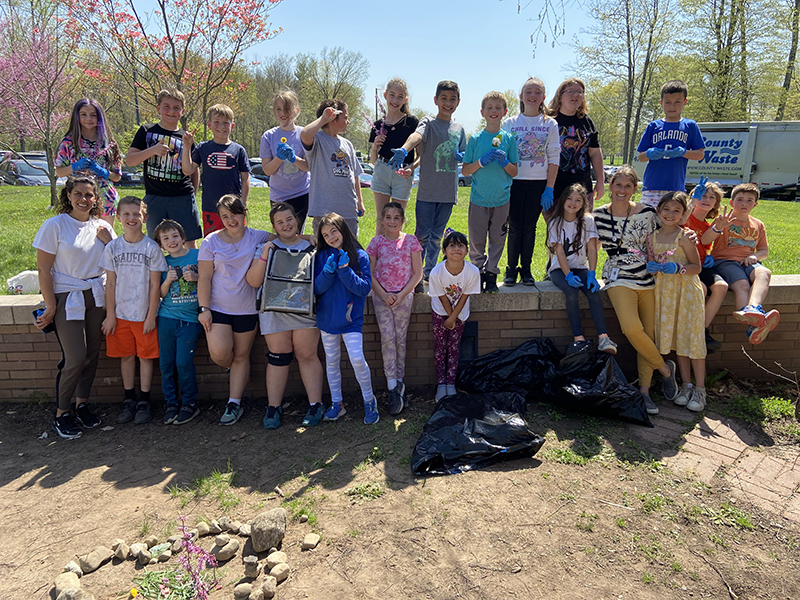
column 787, row 78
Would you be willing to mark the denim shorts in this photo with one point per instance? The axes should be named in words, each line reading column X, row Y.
column 386, row 180
column 732, row 271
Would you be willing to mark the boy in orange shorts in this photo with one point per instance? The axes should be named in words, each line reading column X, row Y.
column 133, row 264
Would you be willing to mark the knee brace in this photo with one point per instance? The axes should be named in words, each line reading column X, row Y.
column 280, row 359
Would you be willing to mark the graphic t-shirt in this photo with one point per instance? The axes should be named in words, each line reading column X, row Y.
column 222, row 165
column 181, row 299
column 740, row 239
column 443, row 283
column 669, row 174
column 438, row 170
column 566, row 234
column 75, row 245
column 163, row 175
column 68, row 154
column 396, row 136
column 334, row 172
column 625, row 241
column 288, row 181
column 491, row 185
column 132, row 264
column 393, row 268
column 577, row 136
column 538, row 144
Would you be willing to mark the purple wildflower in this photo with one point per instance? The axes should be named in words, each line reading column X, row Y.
column 194, row 561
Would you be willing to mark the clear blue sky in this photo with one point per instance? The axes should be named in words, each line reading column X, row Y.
column 483, row 45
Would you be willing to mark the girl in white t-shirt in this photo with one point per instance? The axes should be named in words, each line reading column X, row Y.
column 572, row 241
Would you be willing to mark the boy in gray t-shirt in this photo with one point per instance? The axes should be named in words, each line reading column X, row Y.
column 442, row 143
column 334, row 168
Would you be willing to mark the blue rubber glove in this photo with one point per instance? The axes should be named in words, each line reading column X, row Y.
column 486, row 158
column 396, row 162
column 81, row 164
column 700, row 188
column 286, row 152
column 573, row 280
column 655, row 153
column 591, row 282
column 670, row 268
column 547, row 198
column 654, row 267
column 330, row 265
column 459, row 155
column 101, row 172
column 500, row 157
column 344, row 259
column 675, row 152
column 708, row 262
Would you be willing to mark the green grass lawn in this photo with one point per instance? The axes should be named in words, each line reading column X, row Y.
column 23, row 210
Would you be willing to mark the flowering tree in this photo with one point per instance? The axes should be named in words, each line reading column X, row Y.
column 189, row 44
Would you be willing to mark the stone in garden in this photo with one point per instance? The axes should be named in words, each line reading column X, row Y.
column 136, row 549
column 203, row 529
column 303, row 518
column 171, row 539
column 153, row 561
column 222, row 539
column 242, row 591
column 245, row 529
column 256, row 594
column 151, row 540
column 235, row 526
column 164, row 556
column 144, row 557
column 310, row 541
column 116, row 543
column 276, row 558
column 193, row 534
column 268, row 529
column 95, row 558
column 225, row 523
column 121, row 551
column 251, row 567
column 73, row 567
column 215, row 528
column 66, row 581
column 280, row 572
column 74, row 594
column 226, row 552
column 271, row 550
column 177, row 546
column 268, row 587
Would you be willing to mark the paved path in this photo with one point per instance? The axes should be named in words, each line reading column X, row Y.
column 769, row 477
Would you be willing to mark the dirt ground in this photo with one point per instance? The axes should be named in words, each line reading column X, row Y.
column 595, row 515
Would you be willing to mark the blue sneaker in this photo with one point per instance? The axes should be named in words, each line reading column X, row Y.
column 371, row 415
column 272, row 420
column 335, row 412
column 233, row 412
column 750, row 315
column 314, row 415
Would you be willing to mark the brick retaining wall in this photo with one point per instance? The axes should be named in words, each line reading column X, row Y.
column 28, row 358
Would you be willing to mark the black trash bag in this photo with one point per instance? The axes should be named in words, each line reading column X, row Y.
column 586, row 380
column 467, row 432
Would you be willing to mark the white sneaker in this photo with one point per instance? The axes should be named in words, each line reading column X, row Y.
column 441, row 391
column 683, row 397
column 698, row 401
column 451, row 390
column 605, row 344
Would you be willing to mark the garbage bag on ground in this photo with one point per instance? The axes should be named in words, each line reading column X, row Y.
column 586, row 380
column 469, row 431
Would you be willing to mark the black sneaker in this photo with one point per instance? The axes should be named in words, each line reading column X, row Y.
column 483, row 281
column 511, row 277
column 128, row 412
column 669, row 387
column 171, row 414
column 85, row 417
column 491, row 283
column 143, row 414
column 66, row 428
column 711, row 343
column 420, row 288
column 527, row 278
column 396, row 399
column 186, row 414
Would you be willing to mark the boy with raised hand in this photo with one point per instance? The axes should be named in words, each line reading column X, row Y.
column 226, row 168
column 738, row 251
column 169, row 192
column 492, row 156
column 333, row 165
column 442, row 143
column 133, row 264
column 668, row 145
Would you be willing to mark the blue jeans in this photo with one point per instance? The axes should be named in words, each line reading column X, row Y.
column 432, row 218
column 177, row 341
column 573, row 309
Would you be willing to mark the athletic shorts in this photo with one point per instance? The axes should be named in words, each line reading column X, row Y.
column 239, row 323
column 129, row 339
column 182, row 209
column 732, row 271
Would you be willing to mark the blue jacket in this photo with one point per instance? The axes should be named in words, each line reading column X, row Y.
column 341, row 295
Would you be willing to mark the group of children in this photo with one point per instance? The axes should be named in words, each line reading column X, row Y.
column 157, row 305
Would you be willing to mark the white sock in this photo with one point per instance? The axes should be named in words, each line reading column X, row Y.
column 391, row 383
column 235, row 400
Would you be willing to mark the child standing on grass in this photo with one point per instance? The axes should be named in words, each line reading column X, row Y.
column 572, row 238
column 178, row 327
column 395, row 260
column 133, row 264
column 539, row 148
column 492, row 156
column 451, row 284
column 342, row 281
column 392, row 131
column 674, row 260
column 283, row 158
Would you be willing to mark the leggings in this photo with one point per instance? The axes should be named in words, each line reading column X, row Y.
column 446, row 349
column 393, row 324
column 80, row 348
column 525, row 207
column 354, row 342
column 636, row 312
column 573, row 308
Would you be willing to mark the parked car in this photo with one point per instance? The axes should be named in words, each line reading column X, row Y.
column 464, row 180
column 257, row 171
column 18, row 172
column 131, row 176
column 366, row 167
column 365, row 180
column 255, row 182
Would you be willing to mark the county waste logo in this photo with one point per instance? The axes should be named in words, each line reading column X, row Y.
column 722, row 150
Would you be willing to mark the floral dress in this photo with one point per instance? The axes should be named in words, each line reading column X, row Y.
column 68, row 154
column 680, row 314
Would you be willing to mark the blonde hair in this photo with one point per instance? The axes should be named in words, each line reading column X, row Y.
column 173, row 93
column 399, row 83
column 494, row 96
column 715, row 189
column 289, row 100
column 555, row 103
column 534, row 81
column 221, row 110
